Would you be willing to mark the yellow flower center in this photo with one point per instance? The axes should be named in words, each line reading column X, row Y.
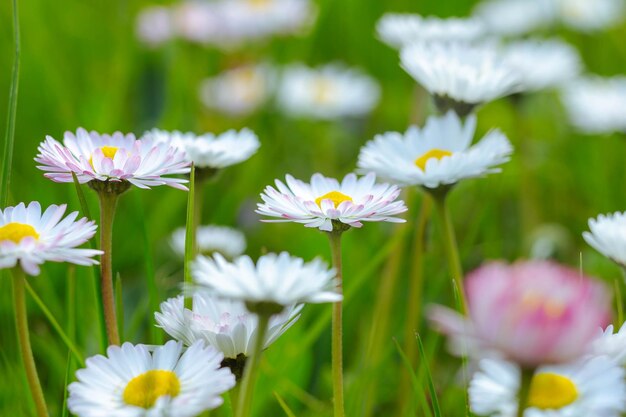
column 144, row 390
column 335, row 196
column 107, row 151
column 259, row 4
column 324, row 90
column 550, row 391
column 552, row 308
column 433, row 153
column 15, row 232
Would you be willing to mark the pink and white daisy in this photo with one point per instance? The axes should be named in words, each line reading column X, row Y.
column 115, row 158
column 326, row 201
column 31, row 238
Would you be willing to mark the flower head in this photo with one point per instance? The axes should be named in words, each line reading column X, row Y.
column 31, row 237
column 608, row 236
column 276, row 279
column 438, row 154
column 225, row 240
column 587, row 16
column 515, row 17
column 532, row 312
column 612, row 344
column 326, row 201
column 132, row 381
column 154, row 25
column 112, row 158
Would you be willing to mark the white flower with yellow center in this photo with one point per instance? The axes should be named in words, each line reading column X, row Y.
column 132, row 381
column 210, row 150
column 225, row 240
column 239, row 91
column 329, row 92
column 590, row 387
column 398, row 30
column 439, row 154
column 590, row 15
column 30, row 237
column 515, row 17
column 607, row 235
column 325, row 201
column 115, row 158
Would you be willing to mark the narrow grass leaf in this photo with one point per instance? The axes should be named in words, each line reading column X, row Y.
column 68, row 371
column 284, row 405
column 419, row 394
column 429, row 377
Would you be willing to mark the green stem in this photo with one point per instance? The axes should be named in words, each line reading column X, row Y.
column 21, row 323
column 451, row 248
column 251, row 372
column 337, row 329
column 108, row 201
column 197, row 212
column 190, row 233
column 526, row 378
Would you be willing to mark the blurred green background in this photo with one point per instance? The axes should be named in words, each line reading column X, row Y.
column 82, row 66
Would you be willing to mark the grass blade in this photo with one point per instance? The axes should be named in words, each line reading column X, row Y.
column 68, row 371
column 431, row 385
column 419, row 394
column 284, row 405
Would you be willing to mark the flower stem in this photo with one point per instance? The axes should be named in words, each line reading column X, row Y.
column 190, row 233
column 337, row 332
column 451, row 248
column 108, row 201
column 21, row 323
column 244, row 405
column 526, row 378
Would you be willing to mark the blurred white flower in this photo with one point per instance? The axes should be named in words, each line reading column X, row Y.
column 154, row 25
column 329, row 92
column 596, row 105
column 197, row 21
column 611, row 344
column 441, row 153
column 608, row 236
column 543, row 64
column 515, row 17
column 239, row 91
column 398, row 30
column 225, row 240
column 590, row 15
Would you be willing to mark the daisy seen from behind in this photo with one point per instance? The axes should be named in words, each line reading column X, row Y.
column 607, row 235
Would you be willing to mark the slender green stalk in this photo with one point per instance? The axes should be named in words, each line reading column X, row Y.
column 244, row 406
column 337, row 329
column 526, row 378
column 9, row 137
column 198, row 189
column 21, row 323
column 108, row 201
column 451, row 247
column 190, row 233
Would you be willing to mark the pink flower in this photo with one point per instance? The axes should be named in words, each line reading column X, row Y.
column 532, row 312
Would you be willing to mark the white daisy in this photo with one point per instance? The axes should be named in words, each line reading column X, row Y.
column 329, row 92
column 132, row 381
column 111, row 158
column 543, row 63
column 225, row 240
column 590, row 387
column 31, row 238
column 611, row 344
column 154, row 25
column 596, row 105
column 439, row 154
column 325, row 202
column 608, row 236
column 515, row 17
column 590, row 15
column 458, row 75
column 224, row 324
column 239, row 91
column 210, row 150
column 398, row 30
column 276, row 279
column 197, row 21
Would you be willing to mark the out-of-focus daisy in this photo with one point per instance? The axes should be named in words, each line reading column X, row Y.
column 120, row 158
column 279, row 279
column 239, row 91
column 154, row 25
column 532, row 313
column 30, row 237
column 608, row 236
column 228, row 241
column 325, row 201
column 543, row 64
column 596, row 105
column 398, row 30
column 329, row 92
column 439, row 154
column 515, row 17
column 458, row 75
column 132, row 381
column 197, row 21
column 590, row 15
column 612, row 344
column 589, row 387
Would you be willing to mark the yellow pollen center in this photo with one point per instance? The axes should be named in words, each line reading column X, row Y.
column 552, row 308
column 107, row 151
column 324, row 90
column 550, row 391
column 144, row 390
column 433, row 153
column 15, row 232
column 335, row 196
column 259, row 4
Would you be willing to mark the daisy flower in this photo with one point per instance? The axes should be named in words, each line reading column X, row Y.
column 132, row 381
column 590, row 15
column 589, row 387
column 30, row 237
column 607, row 235
column 329, row 92
column 612, row 344
column 225, row 240
column 398, row 30
column 115, row 158
column 326, row 203
column 515, row 17
column 460, row 76
column 154, row 26
column 532, row 313
column 439, row 154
